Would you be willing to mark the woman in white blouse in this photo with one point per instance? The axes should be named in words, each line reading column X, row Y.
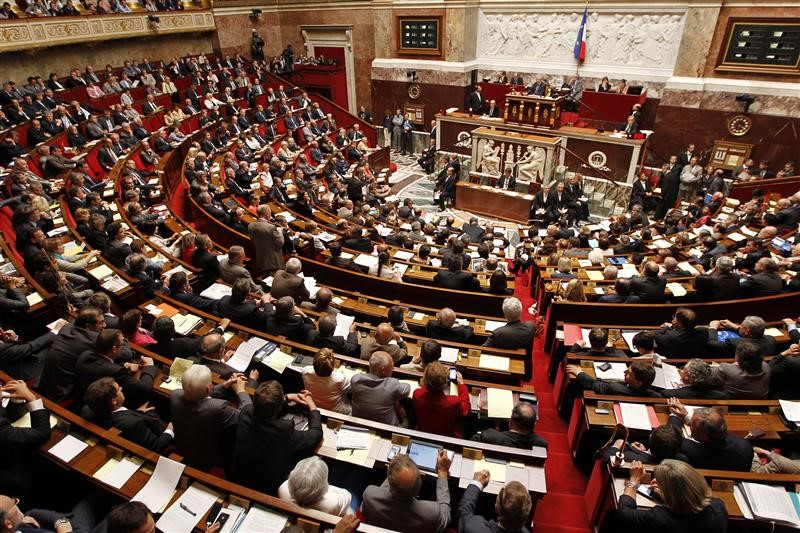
column 308, row 487
column 384, row 269
column 327, row 385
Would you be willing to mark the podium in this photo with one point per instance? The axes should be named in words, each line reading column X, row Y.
column 538, row 111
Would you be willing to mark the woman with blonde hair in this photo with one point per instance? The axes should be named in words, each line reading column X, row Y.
column 685, row 498
column 573, row 292
column 327, row 385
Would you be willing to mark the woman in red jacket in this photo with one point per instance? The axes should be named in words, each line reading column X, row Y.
column 437, row 411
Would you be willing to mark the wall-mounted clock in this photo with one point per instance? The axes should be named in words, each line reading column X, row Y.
column 414, row 91
column 739, row 125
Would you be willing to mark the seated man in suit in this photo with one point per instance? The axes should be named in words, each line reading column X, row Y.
column 698, row 381
column 102, row 362
column 520, row 430
column 455, row 278
column 181, row 290
column 261, row 427
column 719, row 284
column 444, row 328
column 598, row 345
column 232, row 268
column 241, row 310
column 289, row 321
column 765, row 281
column 20, row 444
column 664, row 443
column 649, row 289
column 711, row 446
column 681, row 337
column 639, row 377
column 106, row 400
column 214, row 354
column 622, row 292
column 515, row 334
column 386, row 340
column 474, row 230
column 376, row 395
column 323, row 337
column 513, row 506
column 747, row 378
column 204, row 424
column 750, row 329
column 288, row 282
column 322, row 303
column 395, row 501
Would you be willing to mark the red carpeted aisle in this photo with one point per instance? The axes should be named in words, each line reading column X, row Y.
column 562, row 510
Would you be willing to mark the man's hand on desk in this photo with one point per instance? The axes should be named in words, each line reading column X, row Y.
column 223, row 324
column 637, row 472
column 146, row 361
column 791, row 351
column 254, row 374
column 676, row 408
column 482, row 477
column 18, row 389
column 347, row 524
column 235, row 383
column 573, row 370
column 443, row 463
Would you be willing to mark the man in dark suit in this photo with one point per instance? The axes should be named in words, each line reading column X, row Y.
column 337, row 260
column 559, row 202
column 538, row 87
column 598, row 345
column 20, row 444
column 475, row 101
column 205, row 425
column 669, row 184
column 356, row 241
column 711, row 446
column 454, row 278
column 323, row 337
column 720, row 283
column 682, row 338
column 181, row 290
column 513, row 506
column 765, row 281
column 493, row 111
column 649, row 289
column 638, row 380
column 100, row 363
column 630, row 127
column 23, row 360
column 750, row 329
column 520, row 430
column 288, row 282
column 444, row 327
column 754, row 250
column 474, row 230
column 515, row 334
column 289, row 321
column 261, row 428
column 785, row 369
column 106, row 400
column 685, row 157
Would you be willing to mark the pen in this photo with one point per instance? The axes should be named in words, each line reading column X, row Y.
column 188, row 510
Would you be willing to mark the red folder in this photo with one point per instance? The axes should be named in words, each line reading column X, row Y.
column 572, row 334
column 651, row 414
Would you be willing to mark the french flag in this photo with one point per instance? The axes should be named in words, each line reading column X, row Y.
column 580, row 42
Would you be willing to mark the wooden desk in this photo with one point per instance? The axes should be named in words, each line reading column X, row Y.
column 497, row 203
column 539, row 111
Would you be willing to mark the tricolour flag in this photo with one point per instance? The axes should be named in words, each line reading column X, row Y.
column 580, row 42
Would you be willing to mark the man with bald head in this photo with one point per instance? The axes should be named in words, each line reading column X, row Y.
column 395, row 501
column 322, row 302
column 765, row 281
column 384, row 335
column 711, row 446
column 444, row 327
column 232, row 268
column 376, row 395
column 671, row 269
column 323, row 337
column 649, row 287
column 288, row 282
column 520, row 430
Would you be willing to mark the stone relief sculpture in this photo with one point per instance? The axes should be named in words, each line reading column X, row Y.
column 530, row 164
column 509, row 162
column 490, row 162
column 647, row 40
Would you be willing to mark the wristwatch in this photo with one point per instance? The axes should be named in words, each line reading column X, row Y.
column 63, row 521
column 631, row 485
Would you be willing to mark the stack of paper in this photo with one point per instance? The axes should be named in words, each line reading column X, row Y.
column 160, row 487
column 343, row 323
column 262, row 520
column 615, row 373
column 676, row 289
column 402, row 255
column 184, row 514
column 278, row 361
column 766, row 502
column 116, row 473
column 791, row 410
column 494, row 362
column 492, row 325
column 352, row 438
column 186, row 323
column 449, row 355
column 499, row 402
column 635, row 416
column 216, row 291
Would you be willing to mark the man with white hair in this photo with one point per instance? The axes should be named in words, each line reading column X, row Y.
column 376, row 394
column 202, row 423
column 288, row 282
column 751, row 329
column 515, row 334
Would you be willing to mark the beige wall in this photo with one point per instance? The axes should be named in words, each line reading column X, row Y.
column 18, row 66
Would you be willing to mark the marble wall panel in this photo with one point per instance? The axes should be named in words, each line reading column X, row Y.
column 696, row 40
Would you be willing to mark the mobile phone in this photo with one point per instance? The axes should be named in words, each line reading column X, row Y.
column 452, row 375
column 605, row 366
column 601, row 411
column 166, row 379
column 393, row 451
column 221, row 519
column 646, row 491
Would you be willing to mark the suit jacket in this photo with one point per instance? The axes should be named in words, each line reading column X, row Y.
column 183, row 347
column 268, row 243
column 19, row 446
column 712, row 519
column 435, row 330
column 649, row 290
column 144, row 429
column 784, row 376
column 230, row 272
column 614, row 388
column 116, row 252
column 469, row 521
column 733, row 453
column 202, row 428
column 475, row 102
column 369, row 346
column 285, row 284
column 743, row 386
column 681, row 342
column 475, row 232
column 58, row 376
column 762, row 284
column 723, row 286
column 383, row 509
column 208, row 262
column 459, row 280
column 512, row 336
column 510, row 438
column 286, row 446
column 766, row 344
column 199, row 302
column 92, row 366
column 337, row 343
column 293, row 327
column 246, row 313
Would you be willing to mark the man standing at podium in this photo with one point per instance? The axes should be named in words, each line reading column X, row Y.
column 538, row 87
column 576, row 93
column 476, row 101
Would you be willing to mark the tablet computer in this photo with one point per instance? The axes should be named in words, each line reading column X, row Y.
column 424, row 455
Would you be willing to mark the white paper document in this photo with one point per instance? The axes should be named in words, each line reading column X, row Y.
column 343, row 323
column 116, row 473
column 676, row 289
column 349, row 438
column 494, row 362
column 241, row 358
column 791, row 410
column 635, row 416
column 216, row 291
column 492, row 325
column 615, row 373
column 68, row 448
column 769, row 502
column 262, row 520
column 161, row 485
column 402, row 255
column 449, row 355
column 186, row 512
column 499, row 402
column 667, row 376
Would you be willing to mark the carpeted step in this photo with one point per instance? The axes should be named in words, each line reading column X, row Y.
column 554, row 528
column 562, row 509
